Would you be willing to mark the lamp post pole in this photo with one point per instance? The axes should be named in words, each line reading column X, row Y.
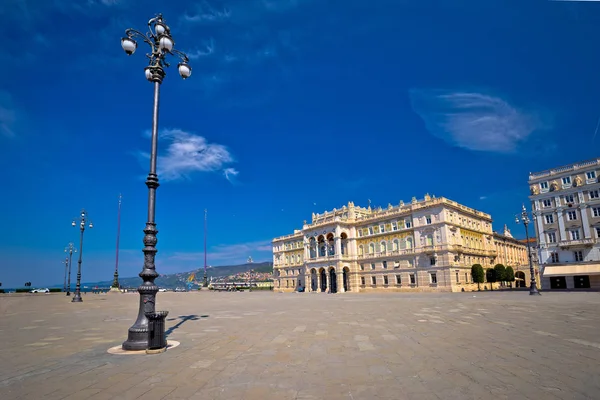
column 66, row 262
column 115, row 284
column 205, row 281
column 82, row 221
column 524, row 218
column 161, row 44
column 70, row 249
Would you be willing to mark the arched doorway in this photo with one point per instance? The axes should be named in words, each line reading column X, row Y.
column 332, row 281
column 346, row 273
column 313, row 280
column 520, row 279
column 323, row 280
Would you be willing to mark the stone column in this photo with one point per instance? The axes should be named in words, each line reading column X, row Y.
column 340, row 282
column 584, row 221
column 318, row 281
column 337, row 245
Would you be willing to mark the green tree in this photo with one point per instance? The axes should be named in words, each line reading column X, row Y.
column 500, row 272
column 477, row 274
column 509, row 276
column 490, row 277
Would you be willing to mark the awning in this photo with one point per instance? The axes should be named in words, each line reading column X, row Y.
column 577, row 269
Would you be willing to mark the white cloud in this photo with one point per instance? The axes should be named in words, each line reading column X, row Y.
column 207, row 13
column 209, row 48
column 187, row 153
column 473, row 121
column 482, row 197
column 8, row 115
column 230, row 173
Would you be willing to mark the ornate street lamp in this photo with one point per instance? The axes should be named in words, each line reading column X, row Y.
column 82, row 221
column 524, row 218
column 161, row 44
column 70, row 249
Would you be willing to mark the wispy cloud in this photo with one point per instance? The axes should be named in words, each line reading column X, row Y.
column 187, row 153
column 205, row 12
column 482, row 197
column 474, row 121
column 209, row 48
column 8, row 115
column 248, row 38
column 230, row 173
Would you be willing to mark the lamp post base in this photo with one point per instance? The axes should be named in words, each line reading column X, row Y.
column 77, row 298
column 137, row 339
column 115, row 290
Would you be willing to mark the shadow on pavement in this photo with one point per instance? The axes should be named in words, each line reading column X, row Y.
column 183, row 319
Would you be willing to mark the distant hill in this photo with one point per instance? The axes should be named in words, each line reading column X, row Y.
column 172, row 281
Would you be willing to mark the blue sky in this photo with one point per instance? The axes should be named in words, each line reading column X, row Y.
column 300, row 106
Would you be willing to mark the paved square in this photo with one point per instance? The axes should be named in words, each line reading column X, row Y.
column 306, row 346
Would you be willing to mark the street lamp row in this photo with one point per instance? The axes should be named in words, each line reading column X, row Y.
column 70, row 249
column 83, row 220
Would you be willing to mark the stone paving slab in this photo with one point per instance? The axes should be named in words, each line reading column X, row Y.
column 257, row 345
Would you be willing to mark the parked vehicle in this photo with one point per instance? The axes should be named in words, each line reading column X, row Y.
column 44, row 290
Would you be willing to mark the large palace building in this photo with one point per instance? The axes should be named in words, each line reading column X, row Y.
column 566, row 209
column 429, row 244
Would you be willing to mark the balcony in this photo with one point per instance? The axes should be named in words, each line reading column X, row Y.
column 430, row 249
column 391, row 253
column 565, row 244
column 330, row 256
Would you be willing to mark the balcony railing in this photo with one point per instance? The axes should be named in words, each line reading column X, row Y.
column 576, row 243
column 386, row 253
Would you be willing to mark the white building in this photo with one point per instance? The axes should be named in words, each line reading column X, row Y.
column 426, row 245
column 566, row 208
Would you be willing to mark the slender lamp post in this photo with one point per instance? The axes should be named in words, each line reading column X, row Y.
column 83, row 217
column 524, row 218
column 66, row 262
column 115, row 284
column 205, row 282
column 161, row 44
column 70, row 249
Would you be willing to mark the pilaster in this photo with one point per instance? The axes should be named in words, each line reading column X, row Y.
column 585, row 222
column 561, row 224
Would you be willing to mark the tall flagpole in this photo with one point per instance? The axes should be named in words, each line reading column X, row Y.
column 205, row 284
column 115, row 285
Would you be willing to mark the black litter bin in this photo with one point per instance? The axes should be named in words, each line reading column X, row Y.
column 157, row 339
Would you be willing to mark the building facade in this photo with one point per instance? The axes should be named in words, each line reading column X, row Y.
column 513, row 252
column 426, row 245
column 565, row 204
